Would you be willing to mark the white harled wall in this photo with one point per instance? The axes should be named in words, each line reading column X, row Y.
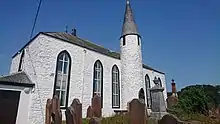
column 40, row 64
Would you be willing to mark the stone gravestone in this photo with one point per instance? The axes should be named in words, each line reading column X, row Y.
column 158, row 105
column 89, row 112
column 74, row 113
column 137, row 112
column 96, row 106
column 53, row 112
column 56, row 112
column 48, row 111
column 169, row 119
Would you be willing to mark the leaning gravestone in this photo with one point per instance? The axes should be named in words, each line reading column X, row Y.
column 96, row 106
column 158, row 105
column 137, row 112
column 53, row 112
column 74, row 113
column 56, row 112
column 170, row 119
column 48, row 111
column 89, row 112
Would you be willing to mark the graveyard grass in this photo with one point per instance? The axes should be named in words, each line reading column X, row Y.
column 194, row 105
column 117, row 119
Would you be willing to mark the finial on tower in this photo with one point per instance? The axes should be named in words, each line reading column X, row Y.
column 129, row 26
column 127, row 2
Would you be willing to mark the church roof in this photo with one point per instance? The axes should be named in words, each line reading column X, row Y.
column 129, row 25
column 85, row 44
column 18, row 78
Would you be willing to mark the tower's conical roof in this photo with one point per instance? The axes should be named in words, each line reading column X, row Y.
column 129, row 25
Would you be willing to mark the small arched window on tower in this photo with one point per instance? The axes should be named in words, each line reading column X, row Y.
column 115, row 87
column 123, row 38
column 159, row 81
column 20, row 67
column 62, row 78
column 138, row 38
column 98, row 80
column 147, row 84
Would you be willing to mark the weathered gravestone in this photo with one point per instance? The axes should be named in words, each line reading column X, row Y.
column 89, row 113
column 74, row 113
column 53, row 112
column 169, row 119
column 48, row 111
column 137, row 112
column 158, row 105
column 96, row 106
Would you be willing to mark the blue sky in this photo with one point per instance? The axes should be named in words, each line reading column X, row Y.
column 180, row 38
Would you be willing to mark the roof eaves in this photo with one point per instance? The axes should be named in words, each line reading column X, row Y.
column 16, row 84
column 32, row 39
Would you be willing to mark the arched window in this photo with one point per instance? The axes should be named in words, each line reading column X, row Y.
column 147, row 84
column 98, row 79
column 141, row 95
column 115, row 87
column 159, row 81
column 62, row 77
column 20, row 67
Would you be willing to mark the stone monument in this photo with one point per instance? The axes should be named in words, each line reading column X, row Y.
column 158, row 105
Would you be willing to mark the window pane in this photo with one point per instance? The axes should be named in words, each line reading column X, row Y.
column 58, row 81
column 62, row 99
column 59, row 66
column 65, row 67
column 99, row 86
column 98, row 75
column 64, row 85
column 117, row 89
column 114, row 77
column 113, row 100
column 95, row 86
column 117, row 100
column 66, row 57
column 113, row 89
column 61, row 56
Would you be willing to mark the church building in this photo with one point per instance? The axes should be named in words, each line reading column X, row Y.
column 64, row 64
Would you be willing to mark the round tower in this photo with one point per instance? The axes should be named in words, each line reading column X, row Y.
column 131, row 59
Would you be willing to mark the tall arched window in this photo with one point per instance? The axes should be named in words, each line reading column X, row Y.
column 115, row 87
column 159, row 80
column 98, row 79
column 62, row 77
column 20, row 67
column 147, row 84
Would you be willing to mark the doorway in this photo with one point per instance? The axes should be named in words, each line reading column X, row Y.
column 9, row 101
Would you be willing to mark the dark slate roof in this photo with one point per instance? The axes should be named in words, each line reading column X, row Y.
column 83, row 43
column 129, row 25
column 18, row 77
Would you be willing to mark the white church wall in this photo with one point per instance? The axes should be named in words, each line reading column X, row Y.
column 40, row 64
column 15, row 63
column 107, row 62
column 23, row 106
